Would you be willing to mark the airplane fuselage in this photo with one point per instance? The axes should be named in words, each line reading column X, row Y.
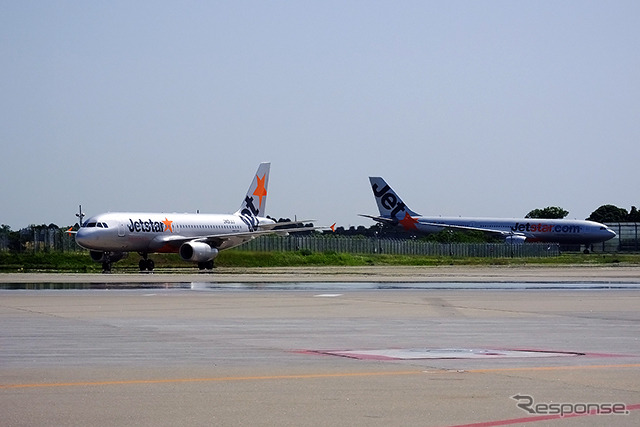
column 163, row 232
column 535, row 230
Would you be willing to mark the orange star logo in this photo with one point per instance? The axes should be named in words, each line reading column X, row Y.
column 168, row 224
column 408, row 223
column 260, row 190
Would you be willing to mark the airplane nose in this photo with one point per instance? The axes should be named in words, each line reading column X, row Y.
column 81, row 237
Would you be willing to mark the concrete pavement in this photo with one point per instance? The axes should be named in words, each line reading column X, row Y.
column 167, row 357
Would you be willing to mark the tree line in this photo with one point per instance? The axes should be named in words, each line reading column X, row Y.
column 605, row 213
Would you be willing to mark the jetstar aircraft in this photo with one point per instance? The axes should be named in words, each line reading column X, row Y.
column 394, row 211
column 196, row 237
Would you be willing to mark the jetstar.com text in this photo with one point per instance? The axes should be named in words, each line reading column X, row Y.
column 546, row 228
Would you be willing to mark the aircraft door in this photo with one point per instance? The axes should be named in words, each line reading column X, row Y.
column 121, row 229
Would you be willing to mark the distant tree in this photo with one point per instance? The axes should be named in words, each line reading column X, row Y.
column 5, row 233
column 15, row 243
column 609, row 213
column 360, row 230
column 550, row 212
column 634, row 215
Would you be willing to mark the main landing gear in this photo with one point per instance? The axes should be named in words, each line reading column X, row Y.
column 146, row 264
column 208, row 265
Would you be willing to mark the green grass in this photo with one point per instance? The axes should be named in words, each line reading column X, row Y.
column 47, row 261
column 81, row 262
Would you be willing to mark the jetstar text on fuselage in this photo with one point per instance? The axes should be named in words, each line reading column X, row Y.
column 149, row 226
column 545, row 228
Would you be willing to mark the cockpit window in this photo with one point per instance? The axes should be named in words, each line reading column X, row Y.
column 95, row 224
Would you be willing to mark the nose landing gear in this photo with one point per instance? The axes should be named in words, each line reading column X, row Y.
column 106, row 267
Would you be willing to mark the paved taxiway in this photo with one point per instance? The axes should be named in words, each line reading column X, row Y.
column 380, row 274
column 263, row 357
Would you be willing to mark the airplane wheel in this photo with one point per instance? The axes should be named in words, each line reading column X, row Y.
column 146, row 264
column 106, row 267
column 209, row 265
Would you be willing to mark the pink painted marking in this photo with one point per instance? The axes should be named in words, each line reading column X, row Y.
column 539, row 418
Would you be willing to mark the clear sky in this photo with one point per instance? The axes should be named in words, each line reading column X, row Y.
column 470, row 108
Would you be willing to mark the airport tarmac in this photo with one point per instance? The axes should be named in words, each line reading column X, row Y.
column 378, row 274
column 339, row 355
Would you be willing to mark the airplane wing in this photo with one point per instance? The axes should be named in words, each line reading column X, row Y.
column 500, row 233
column 277, row 225
column 216, row 240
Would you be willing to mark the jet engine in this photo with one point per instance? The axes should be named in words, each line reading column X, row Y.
column 515, row 239
column 197, row 251
column 98, row 256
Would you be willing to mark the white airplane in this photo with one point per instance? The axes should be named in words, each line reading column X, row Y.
column 514, row 230
column 196, row 237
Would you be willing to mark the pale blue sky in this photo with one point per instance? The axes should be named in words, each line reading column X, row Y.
column 486, row 108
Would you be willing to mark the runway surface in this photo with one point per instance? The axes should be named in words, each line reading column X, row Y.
column 334, row 356
column 378, row 274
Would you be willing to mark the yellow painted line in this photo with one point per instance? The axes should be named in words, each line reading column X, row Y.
column 215, row 379
column 312, row 376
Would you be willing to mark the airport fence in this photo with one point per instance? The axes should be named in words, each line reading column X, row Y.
column 40, row 239
column 364, row 245
column 627, row 240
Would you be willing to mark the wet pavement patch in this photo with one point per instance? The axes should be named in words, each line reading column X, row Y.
column 443, row 353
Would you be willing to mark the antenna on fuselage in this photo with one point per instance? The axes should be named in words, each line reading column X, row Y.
column 80, row 214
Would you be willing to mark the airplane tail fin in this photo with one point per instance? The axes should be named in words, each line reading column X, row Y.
column 389, row 203
column 255, row 201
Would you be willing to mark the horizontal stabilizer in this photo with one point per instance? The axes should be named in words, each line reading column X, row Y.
column 381, row 219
